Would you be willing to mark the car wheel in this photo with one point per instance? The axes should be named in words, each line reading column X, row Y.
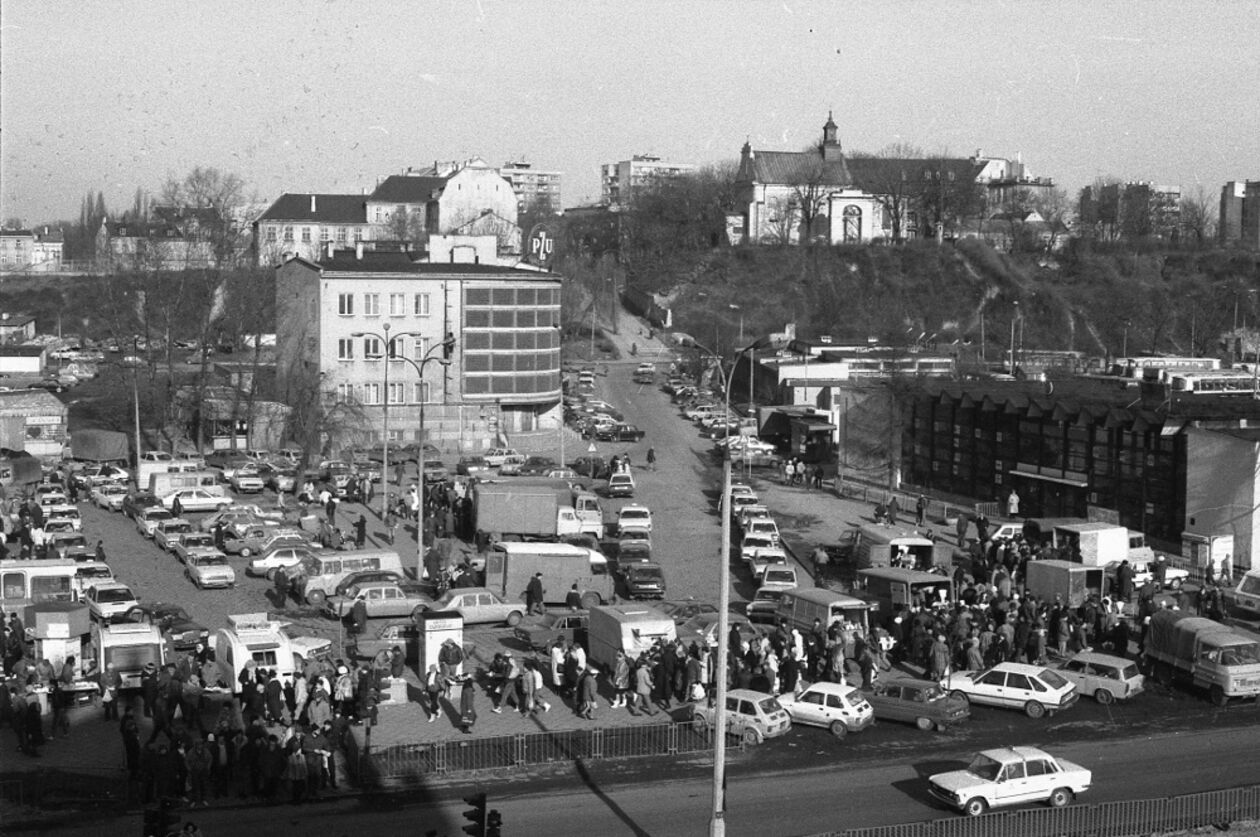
column 975, row 807
column 839, row 730
column 245, row 552
column 1104, row 697
column 271, row 575
column 514, row 619
column 417, row 612
column 924, row 724
column 1218, row 696
column 1034, row 709
column 961, row 696
column 752, row 737
column 590, row 600
column 700, row 724
column 316, row 597
column 1059, row 797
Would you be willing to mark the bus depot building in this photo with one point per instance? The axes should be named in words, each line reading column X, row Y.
column 1183, row 468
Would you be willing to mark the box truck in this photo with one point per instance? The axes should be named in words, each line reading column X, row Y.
column 633, row 629
column 510, row 566
column 509, row 512
column 1070, row 583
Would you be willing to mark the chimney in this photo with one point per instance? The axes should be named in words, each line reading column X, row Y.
column 330, row 249
column 312, row 204
column 358, row 250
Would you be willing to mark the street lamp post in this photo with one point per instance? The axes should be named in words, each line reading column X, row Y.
column 388, row 356
column 1014, row 319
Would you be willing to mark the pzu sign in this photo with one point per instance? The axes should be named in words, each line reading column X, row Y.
column 541, row 246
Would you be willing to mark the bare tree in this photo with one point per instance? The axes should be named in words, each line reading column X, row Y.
column 1055, row 209
column 892, row 176
column 946, row 193
column 810, row 191
column 782, row 220
column 1199, row 211
column 217, row 198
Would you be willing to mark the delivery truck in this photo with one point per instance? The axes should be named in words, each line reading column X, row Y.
column 1212, row 656
column 894, row 590
column 1071, row 583
column 1099, row 544
column 129, row 646
column 631, row 628
column 511, row 512
column 510, row 566
column 890, row 546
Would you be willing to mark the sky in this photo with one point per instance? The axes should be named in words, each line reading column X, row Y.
column 331, row 96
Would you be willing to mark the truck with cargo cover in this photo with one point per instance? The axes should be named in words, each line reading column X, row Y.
column 1216, row 657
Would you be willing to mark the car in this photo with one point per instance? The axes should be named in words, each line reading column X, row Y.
column 765, row 557
column 837, row 707
column 279, row 476
column 411, row 452
column 165, row 532
column 739, row 502
column 920, row 702
column 564, row 474
column 435, row 471
column 190, row 543
column 762, row 526
column 592, row 467
column 257, row 538
column 382, row 598
column 746, row 512
column 148, row 519
column 763, row 607
column 633, row 516
column 209, row 569
column 536, row 466
column 72, row 545
column 97, row 474
column 1105, row 677
column 108, row 496
column 681, row 611
column 1010, row 776
column 620, row 433
column 135, row 502
column 247, row 480
column 230, row 519
column 752, row 716
column 634, row 544
column 267, row 563
column 620, row 484
column 743, row 489
column 471, row 466
column 156, row 456
column 64, row 512
column 749, row 545
column 52, row 498
column 258, row 512
column 1036, row 690
column 403, row 633
column 196, row 500
column 703, row 629
column 183, row 632
column 226, row 460
column 511, row 465
column 643, row 580
column 779, row 577
column 478, row 605
column 541, row 631
column 109, row 600
column 495, row 457
column 1144, row 572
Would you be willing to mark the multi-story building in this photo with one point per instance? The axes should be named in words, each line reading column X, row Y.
column 502, row 374
column 455, row 198
column 1131, row 210
column 1240, row 213
column 170, row 238
column 304, row 224
column 536, row 190
column 31, row 251
column 619, row 181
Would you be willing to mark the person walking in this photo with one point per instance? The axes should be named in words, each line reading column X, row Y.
column 892, row 507
column 621, row 680
column 534, row 595
column 110, row 683
column 651, row 459
column 433, row 687
column 643, row 686
column 360, row 532
column 920, row 510
column 587, row 693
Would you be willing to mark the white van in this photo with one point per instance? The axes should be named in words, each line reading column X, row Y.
column 322, row 572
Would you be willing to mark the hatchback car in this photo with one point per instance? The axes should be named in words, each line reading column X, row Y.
column 644, row 580
column 1105, row 677
column 620, row 485
column 1034, row 689
column 778, row 577
column 920, row 702
column 635, row 516
column 1010, row 776
column 837, row 707
column 753, row 716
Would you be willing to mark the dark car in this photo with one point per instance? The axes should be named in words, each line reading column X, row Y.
column 620, row 433
column 383, row 636
column 644, row 580
column 407, row 453
column 541, row 632
column 172, row 620
column 472, row 466
column 365, row 577
column 594, row 467
column 920, row 702
column 681, row 611
column 138, row 502
column 537, row 466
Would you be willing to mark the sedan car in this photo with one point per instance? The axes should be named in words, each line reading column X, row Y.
column 209, row 569
column 472, row 466
column 634, row 515
column 920, row 702
column 133, row 504
column 763, row 608
column 382, row 598
column 620, row 484
column 1103, row 676
column 837, row 707
column 109, row 496
column 703, row 629
column 190, row 543
column 148, row 519
column 167, row 532
column 750, row 545
column 284, row 556
column 593, row 467
column 1010, row 776
column 1034, row 689
column 435, row 471
column 479, row 606
column 197, row 500
column 511, row 465
column 403, row 633
column 109, row 600
column 753, row 716
column 253, row 539
column 535, row 466
column 247, row 480
column 634, row 544
column 540, row 632
column 778, row 577
column 172, row 620
column 681, row 611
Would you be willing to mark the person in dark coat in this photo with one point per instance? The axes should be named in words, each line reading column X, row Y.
column 360, row 532
column 274, row 692
column 587, row 693
column 467, row 711
column 358, row 615
column 534, row 595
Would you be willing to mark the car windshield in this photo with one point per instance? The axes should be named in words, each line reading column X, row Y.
column 1240, row 655
column 1052, row 679
column 121, row 594
column 780, row 575
column 647, row 572
column 635, row 514
column 769, row 705
column 204, row 560
column 177, row 613
column 157, row 514
column 984, row 767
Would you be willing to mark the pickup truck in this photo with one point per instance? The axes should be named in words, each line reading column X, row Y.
column 619, row 433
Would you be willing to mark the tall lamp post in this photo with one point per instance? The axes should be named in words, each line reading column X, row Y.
column 717, row 822
column 388, row 356
column 447, row 346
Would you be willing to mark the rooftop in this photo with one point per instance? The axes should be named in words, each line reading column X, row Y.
column 329, row 209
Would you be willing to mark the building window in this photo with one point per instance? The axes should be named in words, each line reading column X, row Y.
column 371, row 393
column 306, row 235
column 421, row 308
column 419, row 348
column 271, row 235
column 345, row 393
column 372, row 305
column 345, row 304
column 341, row 235
column 358, row 234
column 345, row 349
column 288, row 233
column 397, row 393
column 397, row 305
column 371, row 348
column 325, row 234
column 852, row 223
column 423, row 391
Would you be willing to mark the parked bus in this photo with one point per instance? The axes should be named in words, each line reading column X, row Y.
column 1225, row 382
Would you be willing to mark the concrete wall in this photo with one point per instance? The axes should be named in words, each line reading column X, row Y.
column 1222, row 491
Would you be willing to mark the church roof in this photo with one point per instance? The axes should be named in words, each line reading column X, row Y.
column 797, row 167
column 874, row 174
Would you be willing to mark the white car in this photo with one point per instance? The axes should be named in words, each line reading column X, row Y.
column 209, row 569
column 778, row 577
column 1143, row 572
column 749, row 545
column 247, row 480
column 837, row 707
column 197, row 500
column 55, row 497
column 1010, row 776
column 495, row 457
column 634, row 516
column 1036, row 690
column 110, row 599
column 741, row 489
column 286, row 556
column 109, row 496
column 192, row 543
column 148, row 519
column 67, row 513
column 764, row 526
column 762, row 558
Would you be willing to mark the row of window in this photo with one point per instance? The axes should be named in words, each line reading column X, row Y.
column 398, row 305
column 373, row 350
column 326, row 233
column 404, row 392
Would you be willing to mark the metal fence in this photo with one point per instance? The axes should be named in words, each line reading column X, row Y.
column 1109, row 819
column 415, row 761
column 50, row 788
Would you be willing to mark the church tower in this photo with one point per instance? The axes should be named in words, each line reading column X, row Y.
column 831, row 143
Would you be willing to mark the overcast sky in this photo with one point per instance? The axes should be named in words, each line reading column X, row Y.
column 329, row 96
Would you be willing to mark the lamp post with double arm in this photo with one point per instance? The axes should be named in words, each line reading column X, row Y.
column 388, row 355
